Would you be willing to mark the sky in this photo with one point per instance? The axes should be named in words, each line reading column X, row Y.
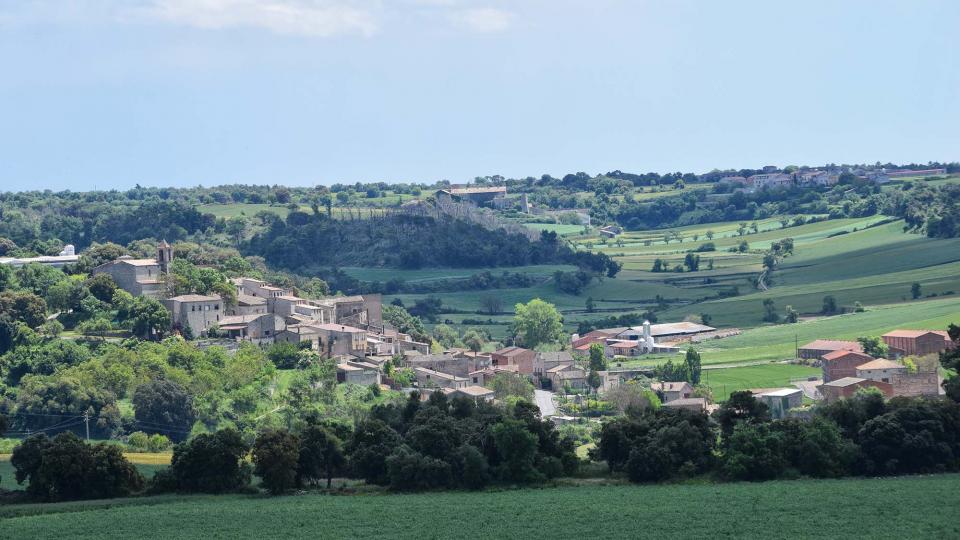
column 102, row 94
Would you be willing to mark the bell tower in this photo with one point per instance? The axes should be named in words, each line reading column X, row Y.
column 164, row 256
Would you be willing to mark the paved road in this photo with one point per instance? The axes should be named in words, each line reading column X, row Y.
column 545, row 402
column 810, row 388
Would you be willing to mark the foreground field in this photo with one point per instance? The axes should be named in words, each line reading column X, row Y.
column 911, row 507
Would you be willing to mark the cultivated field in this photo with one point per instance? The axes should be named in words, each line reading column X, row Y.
column 910, row 507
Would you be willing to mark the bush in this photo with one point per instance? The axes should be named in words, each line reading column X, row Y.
column 66, row 468
column 275, row 456
column 211, row 463
column 411, row 471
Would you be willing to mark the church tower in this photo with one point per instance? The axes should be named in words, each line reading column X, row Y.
column 164, row 256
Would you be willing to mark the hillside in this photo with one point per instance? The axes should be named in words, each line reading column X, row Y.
column 834, row 508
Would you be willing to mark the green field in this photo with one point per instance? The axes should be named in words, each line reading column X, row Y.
column 727, row 380
column 908, row 507
column 433, row 274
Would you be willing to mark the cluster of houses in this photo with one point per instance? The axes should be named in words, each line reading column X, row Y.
column 846, row 368
column 811, row 178
column 347, row 328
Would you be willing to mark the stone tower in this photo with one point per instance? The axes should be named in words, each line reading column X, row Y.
column 164, row 256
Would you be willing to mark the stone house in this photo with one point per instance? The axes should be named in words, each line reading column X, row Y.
column 840, row 364
column 428, row 378
column 518, row 356
column 475, row 393
column 263, row 328
column 544, row 361
column 882, row 370
column 672, row 391
column 248, row 305
column 565, row 375
column 140, row 277
column 697, row 404
column 362, row 373
column 197, row 312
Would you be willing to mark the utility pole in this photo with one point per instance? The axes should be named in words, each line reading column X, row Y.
column 86, row 421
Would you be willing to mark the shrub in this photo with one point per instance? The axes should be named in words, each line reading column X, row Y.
column 211, row 463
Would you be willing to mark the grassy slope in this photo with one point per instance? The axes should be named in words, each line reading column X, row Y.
column 911, row 507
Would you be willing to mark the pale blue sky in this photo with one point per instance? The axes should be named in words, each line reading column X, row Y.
column 110, row 93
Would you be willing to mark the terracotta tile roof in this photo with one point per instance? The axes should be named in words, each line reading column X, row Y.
column 915, row 333
column 833, row 345
column 844, row 353
column 881, row 363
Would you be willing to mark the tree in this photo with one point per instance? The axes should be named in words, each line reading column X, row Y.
column 150, row 318
column 594, row 380
column 915, row 290
column 102, row 286
column 829, row 305
column 321, row 455
column 741, row 407
column 446, row 336
column 692, row 262
column 491, row 304
column 473, row 339
column 537, row 322
column 874, row 346
column 284, row 355
column 211, row 463
column 95, row 327
column 589, row 304
column 693, row 366
column 65, row 468
column 518, row 448
column 792, row 315
column 367, row 449
column 507, row 385
column 710, row 235
column 163, row 406
column 598, row 360
column 25, row 307
column 770, row 311
column 275, row 456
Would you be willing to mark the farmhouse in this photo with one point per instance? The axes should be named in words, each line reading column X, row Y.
column 848, row 386
column 882, row 370
column 672, row 391
column 771, row 180
column 697, row 404
column 840, row 364
column 262, row 328
column 476, row 393
column 816, row 349
column 565, row 375
column 917, row 342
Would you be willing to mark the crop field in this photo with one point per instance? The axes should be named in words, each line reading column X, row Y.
column 907, row 507
column 434, row 274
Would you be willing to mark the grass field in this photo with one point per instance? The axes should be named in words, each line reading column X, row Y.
column 909, row 507
column 725, row 381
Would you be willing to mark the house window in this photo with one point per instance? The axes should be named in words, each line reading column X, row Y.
column 216, row 307
column 193, row 308
column 266, row 332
